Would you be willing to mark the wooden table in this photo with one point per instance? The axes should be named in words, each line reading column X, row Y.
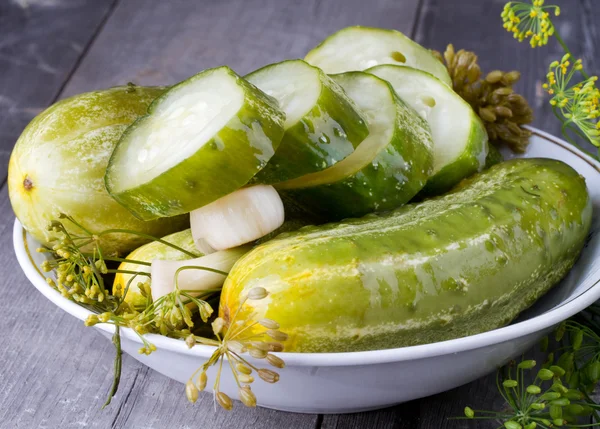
column 54, row 372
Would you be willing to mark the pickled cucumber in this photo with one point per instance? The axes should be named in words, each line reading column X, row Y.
column 452, row 266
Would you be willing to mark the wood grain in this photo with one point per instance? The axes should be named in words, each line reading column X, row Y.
column 476, row 25
column 41, row 42
column 169, row 41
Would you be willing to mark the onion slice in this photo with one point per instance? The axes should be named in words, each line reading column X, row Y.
column 193, row 278
column 238, row 218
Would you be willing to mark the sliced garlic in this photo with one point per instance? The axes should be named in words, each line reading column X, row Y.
column 193, row 279
column 238, row 218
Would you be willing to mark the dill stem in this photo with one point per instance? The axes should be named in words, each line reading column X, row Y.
column 139, row 273
column 149, row 237
column 567, row 50
column 117, row 365
column 129, row 261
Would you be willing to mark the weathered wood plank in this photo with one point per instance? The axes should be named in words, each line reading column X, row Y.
column 40, row 44
column 405, row 416
column 173, row 40
column 48, row 361
column 476, row 25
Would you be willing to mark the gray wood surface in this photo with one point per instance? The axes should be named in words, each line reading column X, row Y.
column 54, row 372
column 481, row 31
column 172, row 40
column 41, row 42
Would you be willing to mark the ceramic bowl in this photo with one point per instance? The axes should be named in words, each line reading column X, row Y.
column 350, row 382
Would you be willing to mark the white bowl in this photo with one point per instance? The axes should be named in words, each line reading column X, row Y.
column 350, row 382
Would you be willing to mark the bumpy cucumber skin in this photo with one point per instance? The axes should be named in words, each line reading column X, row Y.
column 63, row 153
column 207, row 175
column 493, row 157
column 148, row 253
column 471, row 161
column 325, row 135
column 396, row 174
column 457, row 265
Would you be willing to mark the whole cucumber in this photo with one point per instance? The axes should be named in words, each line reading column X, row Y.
column 460, row 264
column 58, row 165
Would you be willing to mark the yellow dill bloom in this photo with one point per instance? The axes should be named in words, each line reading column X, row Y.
column 578, row 103
column 529, row 20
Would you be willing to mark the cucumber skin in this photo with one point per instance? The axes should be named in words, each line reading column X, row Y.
column 449, row 267
column 294, row 157
column 493, row 157
column 64, row 151
column 229, row 147
column 471, row 161
column 147, row 253
column 376, row 186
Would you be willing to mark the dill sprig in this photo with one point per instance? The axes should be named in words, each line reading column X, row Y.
column 233, row 342
column 560, row 393
column 575, row 96
column 80, row 277
column 575, row 104
column 530, row 21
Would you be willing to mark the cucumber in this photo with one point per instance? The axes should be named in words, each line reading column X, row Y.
column 459, row 137
column 452, row 266
column 148, row 253
column 58, row 165
column 494, row 156
column 156, row 250
column 322, row 125
column 178, row 157
column 386, row 170
column 360, row 48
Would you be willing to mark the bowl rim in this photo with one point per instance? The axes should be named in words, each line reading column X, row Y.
column 530, row 326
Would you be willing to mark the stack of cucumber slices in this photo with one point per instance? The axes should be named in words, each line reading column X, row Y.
column 364, row 124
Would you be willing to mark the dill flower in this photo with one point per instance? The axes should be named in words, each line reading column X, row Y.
column 577, row 103
column 530, row 21
column 234, row 339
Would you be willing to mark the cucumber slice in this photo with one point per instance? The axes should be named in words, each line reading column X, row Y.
column 386, row 170
column 203, row 139
column 359, row 48
column 459, row 137
column 322, row 124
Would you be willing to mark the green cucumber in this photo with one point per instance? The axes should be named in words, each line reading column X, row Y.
column 322, row 125
column 58, row 165
column 148, row 253
column 494, row 156
column 157, row 250
column 386, row 170
column 360, row 48
column 464, row 263
column 459, row 137
column 179, row 156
